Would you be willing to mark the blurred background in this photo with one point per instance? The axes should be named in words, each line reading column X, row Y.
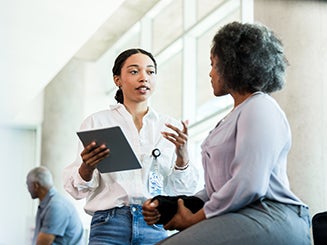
column 56, row 59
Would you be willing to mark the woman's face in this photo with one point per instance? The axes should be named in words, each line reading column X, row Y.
column 218, row 85
column 137, row 78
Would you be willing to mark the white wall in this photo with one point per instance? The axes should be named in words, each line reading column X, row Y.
column 17, row 209
column 302, row 27
column 38, row 38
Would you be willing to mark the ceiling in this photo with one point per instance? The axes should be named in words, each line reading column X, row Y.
column 130, row 12
column 42, row 37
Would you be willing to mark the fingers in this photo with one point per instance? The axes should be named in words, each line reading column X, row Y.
column 176, row 223
column 170, row 225
column 185, row 126
column 177, row 130
column 151, row 219
column 180, row 203
column 178, row 137
column 149, row 205
column 150, row 213
column 93, row 154
column 178, row 140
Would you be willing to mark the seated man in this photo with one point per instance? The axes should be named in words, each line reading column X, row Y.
column 57, row 221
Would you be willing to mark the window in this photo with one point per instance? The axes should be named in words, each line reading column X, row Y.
column 179, row 34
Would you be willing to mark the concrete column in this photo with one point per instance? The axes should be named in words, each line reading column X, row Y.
column 302, row 27
column 63, row 110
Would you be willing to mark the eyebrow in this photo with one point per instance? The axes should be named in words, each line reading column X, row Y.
column 134, row 65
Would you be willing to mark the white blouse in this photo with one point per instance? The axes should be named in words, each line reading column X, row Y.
column 109, row 190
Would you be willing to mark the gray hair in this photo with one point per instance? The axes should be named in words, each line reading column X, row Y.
column 250, row 58
column 42, row 176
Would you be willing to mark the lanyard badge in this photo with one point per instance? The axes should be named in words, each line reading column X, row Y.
column 156, row 153
column 155, row 178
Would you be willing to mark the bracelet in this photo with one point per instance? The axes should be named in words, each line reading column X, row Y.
column 182, row 168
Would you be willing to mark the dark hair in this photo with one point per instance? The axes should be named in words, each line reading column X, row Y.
column 250, row 58
column 119, row 62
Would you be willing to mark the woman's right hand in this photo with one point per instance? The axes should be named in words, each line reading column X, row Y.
column 91, row 156
column 179, row 138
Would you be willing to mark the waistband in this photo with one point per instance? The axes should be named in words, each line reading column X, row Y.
column 133, row 208
column 300, row 210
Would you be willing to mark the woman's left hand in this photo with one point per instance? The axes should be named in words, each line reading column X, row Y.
column 182, row 219
column 179, row 139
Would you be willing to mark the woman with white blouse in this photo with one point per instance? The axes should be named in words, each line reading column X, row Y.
column 114, row 199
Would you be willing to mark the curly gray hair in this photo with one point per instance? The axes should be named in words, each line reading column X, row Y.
column 250, row 58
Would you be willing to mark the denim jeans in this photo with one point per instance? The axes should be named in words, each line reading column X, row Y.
column 122, row 226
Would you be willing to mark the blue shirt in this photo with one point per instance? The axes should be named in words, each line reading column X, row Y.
column 57, row 216
column 245, row 158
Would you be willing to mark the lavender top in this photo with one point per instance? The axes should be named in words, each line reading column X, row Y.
column 245, row 157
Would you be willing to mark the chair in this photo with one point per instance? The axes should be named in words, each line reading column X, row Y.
column 319, row 228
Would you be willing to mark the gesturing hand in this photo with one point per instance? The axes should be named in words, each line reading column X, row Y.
column 179, row 138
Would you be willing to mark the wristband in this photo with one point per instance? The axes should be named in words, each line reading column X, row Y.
column 182, row 168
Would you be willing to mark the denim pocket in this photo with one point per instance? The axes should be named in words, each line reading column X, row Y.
column 100, row 218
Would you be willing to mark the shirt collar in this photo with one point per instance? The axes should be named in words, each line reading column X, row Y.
column 150, row 114
column 52, row 191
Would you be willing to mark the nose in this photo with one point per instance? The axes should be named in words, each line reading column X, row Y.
column 144, row 77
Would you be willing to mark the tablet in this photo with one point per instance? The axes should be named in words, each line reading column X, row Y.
column 121, row 156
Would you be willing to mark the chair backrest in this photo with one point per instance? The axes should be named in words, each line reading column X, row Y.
column 319, row 228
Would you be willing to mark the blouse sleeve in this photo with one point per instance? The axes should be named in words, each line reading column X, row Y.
column 73, row 182
column 183, row 182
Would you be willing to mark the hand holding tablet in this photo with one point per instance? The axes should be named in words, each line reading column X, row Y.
column 121, row 157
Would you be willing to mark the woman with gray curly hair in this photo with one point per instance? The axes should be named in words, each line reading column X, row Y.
column 247, row 197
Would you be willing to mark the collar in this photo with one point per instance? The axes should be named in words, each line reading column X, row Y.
column 52, row 191
column 122, row 109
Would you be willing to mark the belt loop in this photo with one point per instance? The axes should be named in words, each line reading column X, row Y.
column 112, row 211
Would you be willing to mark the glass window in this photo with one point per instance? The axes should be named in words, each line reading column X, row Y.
column 183, row 83
column 167, row 25
column 206, row 6
column 167, row 97
column 205, row 101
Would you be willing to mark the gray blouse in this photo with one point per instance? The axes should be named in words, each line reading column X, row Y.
column 245, row 157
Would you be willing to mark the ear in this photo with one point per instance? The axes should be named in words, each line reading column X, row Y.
column 117, row 80
column 36, row 185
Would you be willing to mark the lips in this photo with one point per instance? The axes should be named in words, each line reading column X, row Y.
column 143, row 88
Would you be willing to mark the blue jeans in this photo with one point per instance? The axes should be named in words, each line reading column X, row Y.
column 122, row 226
